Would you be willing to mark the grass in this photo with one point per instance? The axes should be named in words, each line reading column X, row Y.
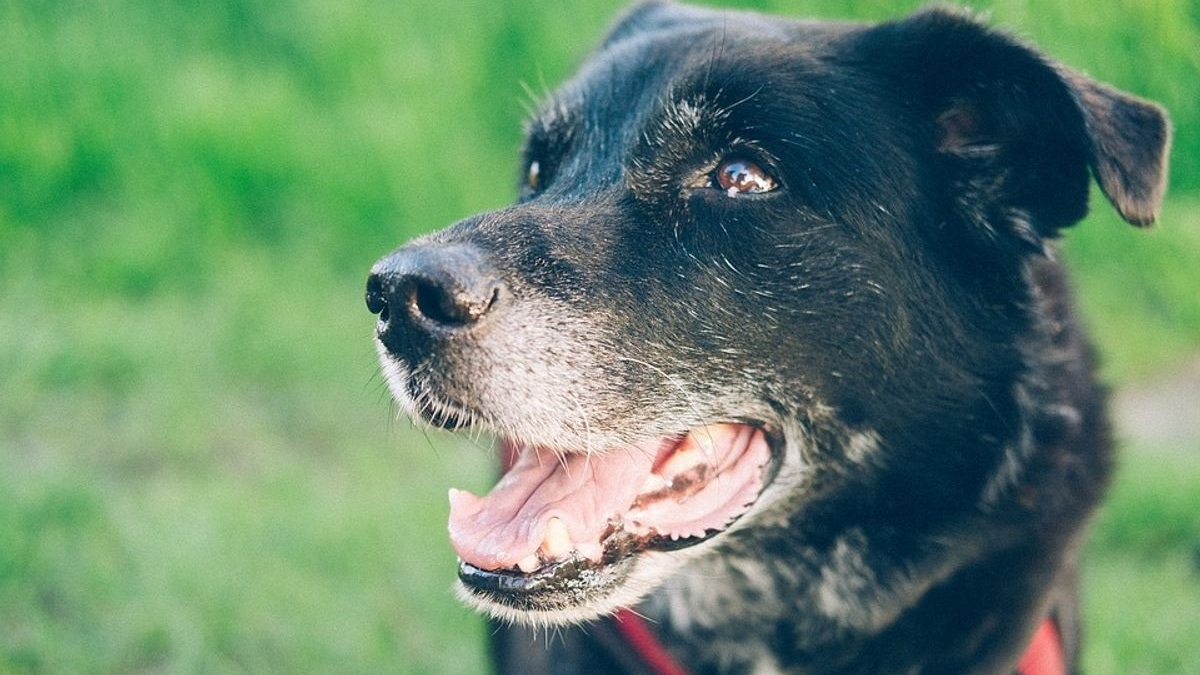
column 1138, row 288
column 199, row 468
column 204, row 489
column 1142, row 603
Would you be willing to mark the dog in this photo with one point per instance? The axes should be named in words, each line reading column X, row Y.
column 777, row 345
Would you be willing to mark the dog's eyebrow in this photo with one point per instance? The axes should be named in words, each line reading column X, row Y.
column 686, row 115
column 554, row 116
column 714, row 101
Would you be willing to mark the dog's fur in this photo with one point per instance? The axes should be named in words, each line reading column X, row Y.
column 894, row 312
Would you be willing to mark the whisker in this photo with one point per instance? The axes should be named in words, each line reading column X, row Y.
column 687, row 396
column 587, row 425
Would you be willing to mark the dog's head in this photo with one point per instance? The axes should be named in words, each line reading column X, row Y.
column 754, row 263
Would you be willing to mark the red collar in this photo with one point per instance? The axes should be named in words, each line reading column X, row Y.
column 645, row 644
column 1044, row 656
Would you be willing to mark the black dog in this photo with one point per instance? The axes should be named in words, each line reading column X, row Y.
column 777, row 343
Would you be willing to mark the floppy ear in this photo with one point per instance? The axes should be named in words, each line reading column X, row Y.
column 1014, row 134
column 1130, row 139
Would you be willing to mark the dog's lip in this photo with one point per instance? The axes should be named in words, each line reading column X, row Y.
column 619, row 546
column 515, row 582
column 440, row 412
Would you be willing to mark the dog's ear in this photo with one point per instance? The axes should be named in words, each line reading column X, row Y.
column 1130, row 139
column 1014, row 132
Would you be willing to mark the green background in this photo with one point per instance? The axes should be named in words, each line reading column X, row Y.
column 200, row 469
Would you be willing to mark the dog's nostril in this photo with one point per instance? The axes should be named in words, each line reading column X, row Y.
column 434, row 303
column 450, row 307
column 376, row 297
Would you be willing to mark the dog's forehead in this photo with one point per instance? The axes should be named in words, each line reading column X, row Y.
column 703, row 49
column 701, row 60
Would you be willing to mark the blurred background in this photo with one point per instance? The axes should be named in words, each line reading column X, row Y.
column 200, row 468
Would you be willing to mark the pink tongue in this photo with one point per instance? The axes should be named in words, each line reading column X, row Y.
column 509, row 524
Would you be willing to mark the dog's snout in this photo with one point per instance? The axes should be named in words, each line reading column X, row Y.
column 432, row 287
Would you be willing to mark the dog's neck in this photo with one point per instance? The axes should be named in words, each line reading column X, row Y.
column 810, row 594
column 833, row 610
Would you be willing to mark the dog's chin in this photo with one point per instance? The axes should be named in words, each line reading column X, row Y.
column 581, row 595
column 547, row 601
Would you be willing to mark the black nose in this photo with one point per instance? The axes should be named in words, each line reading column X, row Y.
column 428, row 287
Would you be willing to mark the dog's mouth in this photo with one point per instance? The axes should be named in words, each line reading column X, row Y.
column 560, row 525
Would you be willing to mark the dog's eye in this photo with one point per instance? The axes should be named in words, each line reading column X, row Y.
column 741, row 176
column 534, row 173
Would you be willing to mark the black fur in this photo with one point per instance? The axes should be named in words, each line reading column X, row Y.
column 894, row 312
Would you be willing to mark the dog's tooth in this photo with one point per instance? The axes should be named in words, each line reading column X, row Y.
column 557, row 543
column 529, row 563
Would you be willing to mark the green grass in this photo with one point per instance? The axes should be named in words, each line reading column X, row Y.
column 1142, row 578
column 213, row 486
column 1138, row 289
column 199, row 468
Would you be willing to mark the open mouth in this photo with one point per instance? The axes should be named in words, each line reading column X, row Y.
column 558, row 521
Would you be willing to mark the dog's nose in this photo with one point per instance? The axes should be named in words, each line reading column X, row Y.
column 432, row 286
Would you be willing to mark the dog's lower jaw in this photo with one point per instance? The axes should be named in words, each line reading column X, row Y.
column 587, row 608
column 642, row 575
